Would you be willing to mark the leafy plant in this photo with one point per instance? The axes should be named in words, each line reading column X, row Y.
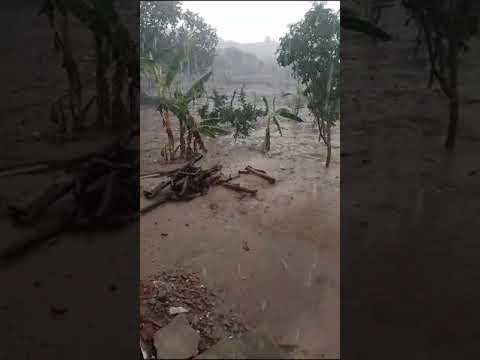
column 114, row 49
column 273, row 115
column 311, row 48
column 446, row 27
column 241, row 119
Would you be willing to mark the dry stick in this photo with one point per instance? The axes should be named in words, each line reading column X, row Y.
column 263, row 175
column 153, row 205
column 262, row 171
column 230, row 178
column 238, row 188
column 151, row 193
column 166, row 199
column 171, row 172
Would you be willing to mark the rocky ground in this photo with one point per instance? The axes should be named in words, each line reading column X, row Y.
column 168, row 295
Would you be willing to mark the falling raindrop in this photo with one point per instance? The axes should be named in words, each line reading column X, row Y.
column 264, row 305
column 315, row 261
column 309, row 279
column 298, row 335
column 204, row 271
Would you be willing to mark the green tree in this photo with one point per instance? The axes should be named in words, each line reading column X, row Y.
column 447, row 26
column 165, row 28
column 311, row 48
column 199, row 41
column 158, row 22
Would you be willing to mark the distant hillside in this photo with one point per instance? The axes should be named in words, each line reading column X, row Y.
column 264, row 51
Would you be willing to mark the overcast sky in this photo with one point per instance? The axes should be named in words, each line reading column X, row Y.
column 251, row 21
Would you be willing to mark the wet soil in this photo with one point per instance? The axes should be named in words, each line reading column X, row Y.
column 287, row 283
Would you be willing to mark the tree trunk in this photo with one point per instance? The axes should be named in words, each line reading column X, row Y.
column 454, row 104
column 101, row 83
column 168, row 129
column 75, row 87
column 182, row 141
column 329, row 145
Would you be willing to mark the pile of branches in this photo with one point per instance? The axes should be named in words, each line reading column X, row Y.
column 183, row 184
column 190, row 181
column 97, row 191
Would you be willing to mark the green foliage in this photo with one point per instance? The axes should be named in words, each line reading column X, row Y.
column 274, row 114
column 309, row 48
column 165, row 27
column 241, row 119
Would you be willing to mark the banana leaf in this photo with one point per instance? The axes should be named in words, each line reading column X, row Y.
column 198, row 87
column 267, row 110
column 275, row 120
column 174, row 68
column 284, row 112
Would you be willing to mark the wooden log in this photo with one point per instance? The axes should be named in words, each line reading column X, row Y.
column 238, row 188
column 261, row 174
column 151, row 193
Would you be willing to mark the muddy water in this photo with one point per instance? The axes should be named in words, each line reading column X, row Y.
column 287, row 284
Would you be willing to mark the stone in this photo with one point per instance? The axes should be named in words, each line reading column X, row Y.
column 177, row 310
column 249, row 345
column 177, row 340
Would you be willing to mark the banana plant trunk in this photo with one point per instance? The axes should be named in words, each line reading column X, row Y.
column 266, row 144
column 119, row 111
column 454, row 103
column 327, row 121
column 75, row 86
column 168, row 128
column 182, row 141
column 103, row 113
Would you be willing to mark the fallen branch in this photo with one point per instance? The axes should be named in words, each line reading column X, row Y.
column 151, row 193
column 261, row 174
column 238, row 188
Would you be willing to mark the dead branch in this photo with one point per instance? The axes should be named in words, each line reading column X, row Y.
column 238, row 188
column 261, row 174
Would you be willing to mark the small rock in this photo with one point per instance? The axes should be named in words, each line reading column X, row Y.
column 177, row 310
column 177, row 340
column 164, row 234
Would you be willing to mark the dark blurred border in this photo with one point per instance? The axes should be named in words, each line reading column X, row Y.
column 74, row 296
column 409, row 210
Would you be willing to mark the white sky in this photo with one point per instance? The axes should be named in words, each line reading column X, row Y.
column 251, row 21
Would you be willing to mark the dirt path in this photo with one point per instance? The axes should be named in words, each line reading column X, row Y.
column 287, row 284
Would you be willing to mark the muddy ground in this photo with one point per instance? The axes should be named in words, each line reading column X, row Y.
column 287, row 284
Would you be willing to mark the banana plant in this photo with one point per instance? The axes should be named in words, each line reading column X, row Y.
column 190, row 131
column 298, row 99
column 273, row 115
column 164, row 79
column 113, row 49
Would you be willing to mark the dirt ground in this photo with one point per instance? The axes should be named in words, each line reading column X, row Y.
column 287, row 284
